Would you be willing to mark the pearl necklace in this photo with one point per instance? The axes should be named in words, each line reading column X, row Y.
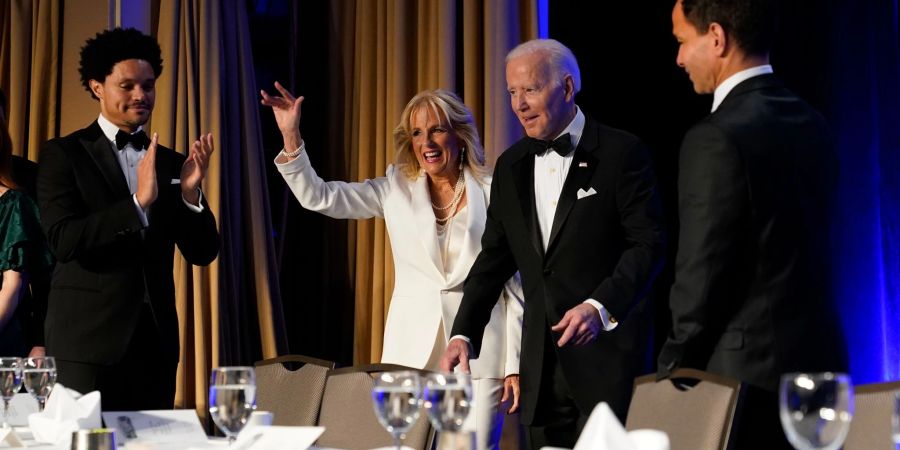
column 457, row 194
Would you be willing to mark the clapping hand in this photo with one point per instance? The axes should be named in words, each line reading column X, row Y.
column 147, row 189
column 194, row 169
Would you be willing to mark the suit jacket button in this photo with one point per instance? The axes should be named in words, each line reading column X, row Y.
column 548, row 272
column 444, row 291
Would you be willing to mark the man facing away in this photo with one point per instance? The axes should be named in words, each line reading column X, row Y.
column 574, row 208
column 751, row 299
column 113, row 205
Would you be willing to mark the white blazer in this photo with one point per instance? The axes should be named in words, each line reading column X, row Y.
column 424, row 299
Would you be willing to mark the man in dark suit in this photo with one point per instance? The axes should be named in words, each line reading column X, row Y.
column 751, row 297
column 113, row 205
column 574, row 209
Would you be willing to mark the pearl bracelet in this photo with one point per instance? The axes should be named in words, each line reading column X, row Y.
column 294, row 153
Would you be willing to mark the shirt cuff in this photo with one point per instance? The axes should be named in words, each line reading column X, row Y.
column 140, row 211
column 607, row 321
column 192, row 207
column 459, row 336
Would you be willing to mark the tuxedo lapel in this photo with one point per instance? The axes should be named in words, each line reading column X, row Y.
column 98, row 147
column 523, row 176
column 580, row 172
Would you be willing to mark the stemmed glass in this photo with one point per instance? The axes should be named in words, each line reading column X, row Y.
column 10, row 382
column 232, row 398
column 39, row 374
column 396, row 397
column 448, row 400
column 816, row 409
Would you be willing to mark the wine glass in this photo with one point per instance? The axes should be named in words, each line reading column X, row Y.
column 10, row 382
column 448, row 400
column 39, row 375
column 816, row 409
column 232, row 398
column 396, row 397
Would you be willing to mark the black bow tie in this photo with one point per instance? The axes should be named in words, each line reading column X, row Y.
column 138, row 140
column 561, row 145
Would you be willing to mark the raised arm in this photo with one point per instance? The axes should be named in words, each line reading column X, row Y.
column 335, row 199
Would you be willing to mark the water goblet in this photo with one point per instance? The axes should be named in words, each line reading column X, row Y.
column 10, row 382
column 232, row 398
column 448, row 399
column 816, row 409
column 39, row 377
column 396, row 397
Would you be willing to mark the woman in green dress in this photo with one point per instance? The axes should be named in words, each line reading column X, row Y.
column 23, row 251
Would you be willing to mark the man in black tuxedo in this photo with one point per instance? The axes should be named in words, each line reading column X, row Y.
column 113, row 205
column 574, row 208
column 751, row 298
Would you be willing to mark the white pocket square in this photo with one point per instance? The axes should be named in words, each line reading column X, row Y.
column 582, row 193
column 176, row 181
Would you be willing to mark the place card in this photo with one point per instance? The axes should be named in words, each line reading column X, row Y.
column 9, row 437
column 277, row 437
column 163, row 426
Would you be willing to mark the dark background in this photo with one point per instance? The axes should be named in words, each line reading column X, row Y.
column 840, row 55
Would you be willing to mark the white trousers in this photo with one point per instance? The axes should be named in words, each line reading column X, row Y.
column 485, row 417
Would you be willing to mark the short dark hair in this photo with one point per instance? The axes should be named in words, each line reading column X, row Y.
column 751, row 23
column 103, row 51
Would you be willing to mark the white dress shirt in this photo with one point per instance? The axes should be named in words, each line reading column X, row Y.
column 550, row 171
column 129, row 158
column 726, row 86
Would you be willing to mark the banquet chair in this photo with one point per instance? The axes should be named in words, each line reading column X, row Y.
column 696, row 409
column 871, row 425
column 349, row 417
column 291, row 387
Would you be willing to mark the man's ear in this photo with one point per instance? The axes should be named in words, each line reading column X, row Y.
column 569, row 85
column 720, row 38
column 96, row 88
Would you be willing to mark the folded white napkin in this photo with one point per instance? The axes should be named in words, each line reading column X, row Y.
column 66, row 411
column 604, row 432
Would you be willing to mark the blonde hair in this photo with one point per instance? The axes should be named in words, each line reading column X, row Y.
column 448, row 107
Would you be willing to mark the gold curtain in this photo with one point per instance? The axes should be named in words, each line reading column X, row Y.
column 388, row 50
column 208, row 85
column 184, row 109
column 29, row 71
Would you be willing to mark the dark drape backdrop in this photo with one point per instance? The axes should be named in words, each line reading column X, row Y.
column 239, row 319
column 865, row 113
column 291, row 43
column 840, row 55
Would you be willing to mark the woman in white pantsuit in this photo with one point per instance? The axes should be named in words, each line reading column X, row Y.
column 433, row 200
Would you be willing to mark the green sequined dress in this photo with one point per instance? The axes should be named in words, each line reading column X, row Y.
column 23, row 249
